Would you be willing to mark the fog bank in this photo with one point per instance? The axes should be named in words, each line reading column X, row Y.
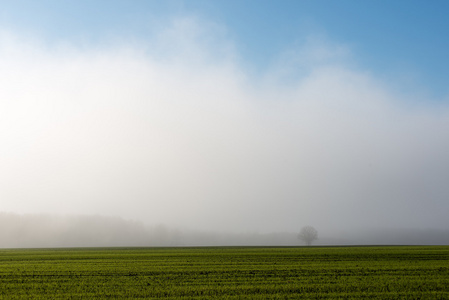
column 47, row 231
column 175, row 130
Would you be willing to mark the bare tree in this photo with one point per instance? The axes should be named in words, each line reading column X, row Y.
column 308, row 234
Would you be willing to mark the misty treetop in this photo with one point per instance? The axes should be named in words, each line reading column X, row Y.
column 308, row 234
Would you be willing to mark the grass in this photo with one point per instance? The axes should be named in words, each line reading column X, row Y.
column 404, row 272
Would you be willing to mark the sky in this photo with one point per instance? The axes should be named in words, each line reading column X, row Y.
column 233, row 116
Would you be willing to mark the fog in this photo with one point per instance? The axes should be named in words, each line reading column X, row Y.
column 46, row 231
column 177, row 132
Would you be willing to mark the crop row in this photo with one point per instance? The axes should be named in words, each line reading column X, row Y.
column 321, row 272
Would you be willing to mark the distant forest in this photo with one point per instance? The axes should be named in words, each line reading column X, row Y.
column 41, row 230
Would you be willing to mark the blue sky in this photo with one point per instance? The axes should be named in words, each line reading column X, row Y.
column 192, row 113
column 389, row 38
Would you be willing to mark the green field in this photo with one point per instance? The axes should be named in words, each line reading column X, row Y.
column 403, row 272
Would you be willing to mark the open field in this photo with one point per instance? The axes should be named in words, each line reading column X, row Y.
column 403, row 272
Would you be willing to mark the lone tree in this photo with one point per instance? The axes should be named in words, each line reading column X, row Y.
column 308, row 234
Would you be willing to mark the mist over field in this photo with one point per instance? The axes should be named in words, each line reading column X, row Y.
column 54, row 231
column 173, row 141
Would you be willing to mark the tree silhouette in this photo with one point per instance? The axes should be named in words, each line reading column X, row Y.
column 308, row 234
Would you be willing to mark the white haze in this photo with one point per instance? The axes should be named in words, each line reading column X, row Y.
column 177, row 131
